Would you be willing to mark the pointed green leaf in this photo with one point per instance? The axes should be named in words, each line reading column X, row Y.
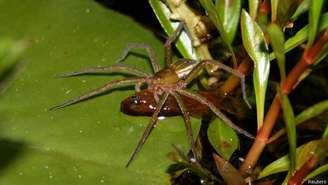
column 289, row 119
column 317, row 171
column 283, row 164
column 301, row 36
column 312, row 112
column 286, row 9
column 223, row 138
column 277, row 42
column 314, row 18
column 302, row 8
column 184, row 43
column 229, row 13
column 257, row 49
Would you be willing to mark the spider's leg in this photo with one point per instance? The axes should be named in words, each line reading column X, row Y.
column 95, row 92
column 203, row 63
column 149, row 49
column 108, row 69
column 149, row 128
column 187, row 121
column 168, row 44
column 216, row 111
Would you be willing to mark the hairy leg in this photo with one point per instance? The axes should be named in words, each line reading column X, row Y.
column 168, row 44
column 150, row 51
column 194, row 73
column 95, row 92
column 108, row 69
column 216, row 111
column 149, row 128
column 187, row 121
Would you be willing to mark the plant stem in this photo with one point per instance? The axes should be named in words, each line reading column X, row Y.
column 309, row 57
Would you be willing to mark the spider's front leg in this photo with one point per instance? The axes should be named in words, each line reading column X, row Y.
column 194, row 73
column 169, row 41
column 149, row 128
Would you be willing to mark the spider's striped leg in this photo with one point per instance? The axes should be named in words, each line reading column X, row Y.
column 169, row 41
column 95, row 92
column 149, row 128
column 108, row 69
column 216, row 111
column 193, row 74
column 187, row 121
column 150, row 51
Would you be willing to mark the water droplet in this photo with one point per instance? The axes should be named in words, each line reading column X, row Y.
column 83, row 81
column 51, row 177
column 81, row 131
column 68, row 91
column 79, row 176
column 46, row 167
column 87, row 10
column 102, row 180
column 161, row 117
column 192, row 159
column 20, row 173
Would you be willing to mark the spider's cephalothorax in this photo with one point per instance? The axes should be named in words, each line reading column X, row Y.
column 165, row 84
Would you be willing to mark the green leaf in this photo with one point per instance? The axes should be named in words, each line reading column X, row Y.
column 301, row 36
column 314, row 18
column 312, row 112
column 224, row 30
column 229, row 14
column 302, row 8
column 253, row 7
column 274, row 9
column 325, row 133
column 223, row 138
column 88, row 143
column 305, row 115
column 254, row 43
column 282, row 164
column 317, row 171
column 277, row 42
column 290, row 125
column 183, row 43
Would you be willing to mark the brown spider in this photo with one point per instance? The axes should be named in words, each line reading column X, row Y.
column 170, row 81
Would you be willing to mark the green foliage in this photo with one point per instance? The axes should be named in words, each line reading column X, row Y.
column 223, row 138
column 254, row 43
column 290, row 125
column 314, row 18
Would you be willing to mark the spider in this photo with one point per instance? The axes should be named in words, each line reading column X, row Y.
column 164, row 83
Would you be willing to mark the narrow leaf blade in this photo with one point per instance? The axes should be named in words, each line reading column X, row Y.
column 289, row 119
column 314, row 17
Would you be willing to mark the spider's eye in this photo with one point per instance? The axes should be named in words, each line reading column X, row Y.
column 135, row 99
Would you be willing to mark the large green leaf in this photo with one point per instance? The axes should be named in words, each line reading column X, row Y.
column 88, row 143
column 254, row 43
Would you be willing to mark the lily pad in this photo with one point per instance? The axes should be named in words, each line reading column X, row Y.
column 88, row 143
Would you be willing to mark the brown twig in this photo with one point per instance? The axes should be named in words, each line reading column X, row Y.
column 309, row 57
